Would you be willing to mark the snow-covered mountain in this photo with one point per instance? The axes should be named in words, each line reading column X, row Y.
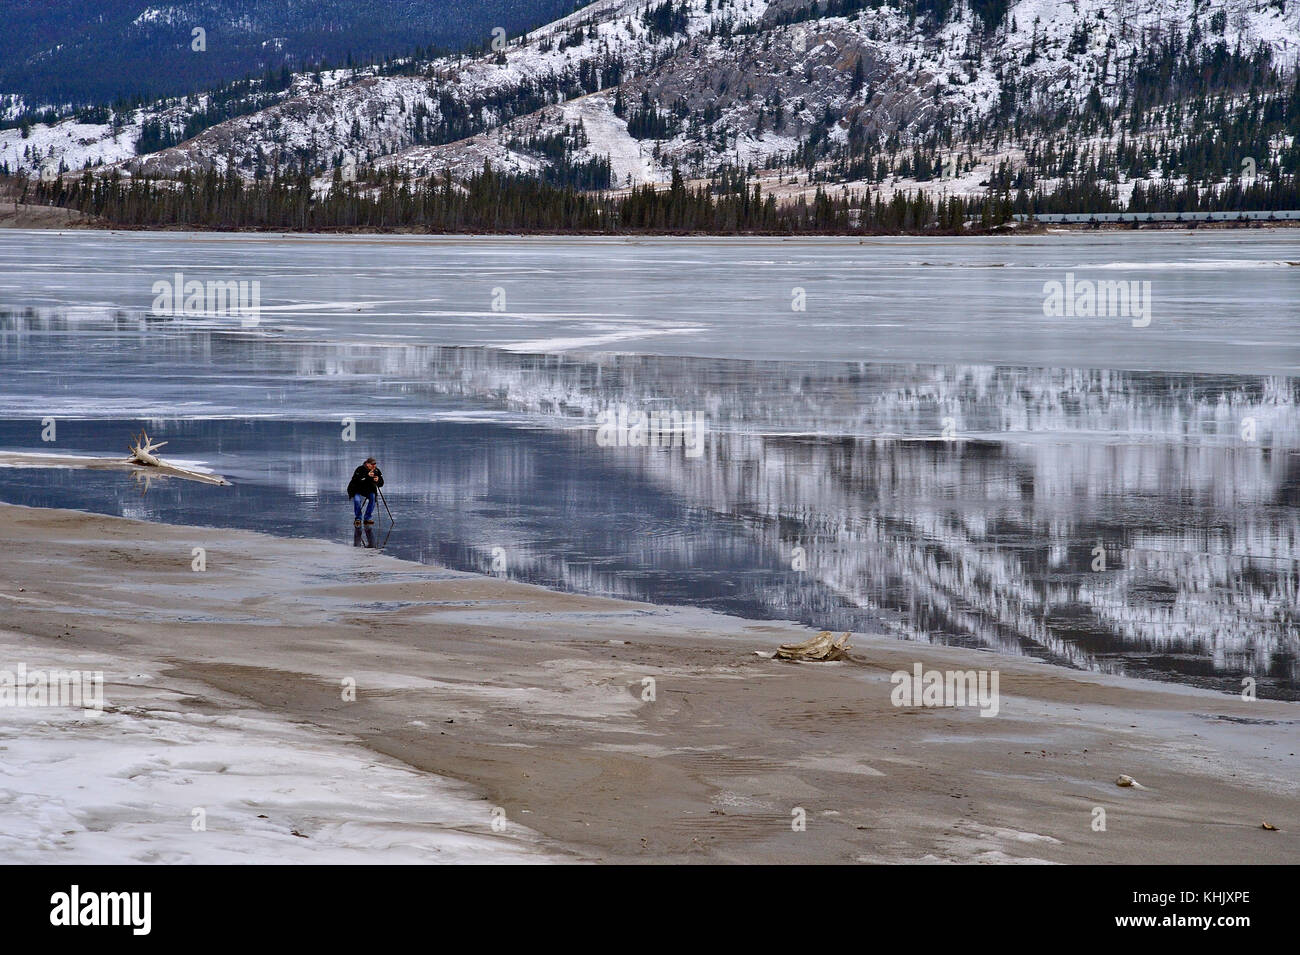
column 809, row 90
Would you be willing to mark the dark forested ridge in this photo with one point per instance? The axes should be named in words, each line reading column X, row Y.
column 79, row 52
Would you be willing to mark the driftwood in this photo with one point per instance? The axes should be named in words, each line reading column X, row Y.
column 142, row 451
column 142, row 455
column 143, row 463
column 821, row 647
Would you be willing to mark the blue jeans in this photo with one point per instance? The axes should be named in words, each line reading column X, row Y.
column 369, row 500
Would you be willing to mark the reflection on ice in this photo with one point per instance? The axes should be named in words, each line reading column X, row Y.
column 1144, row 522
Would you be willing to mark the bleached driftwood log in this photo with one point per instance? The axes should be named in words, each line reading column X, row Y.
column 142, row 455
column 143, row 461
column 821, row 647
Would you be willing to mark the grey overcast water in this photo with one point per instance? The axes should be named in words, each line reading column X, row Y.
column 918, row 449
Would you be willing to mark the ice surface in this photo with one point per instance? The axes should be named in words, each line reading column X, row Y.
column 123, row 788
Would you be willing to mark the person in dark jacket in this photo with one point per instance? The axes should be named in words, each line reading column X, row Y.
column 365, row 484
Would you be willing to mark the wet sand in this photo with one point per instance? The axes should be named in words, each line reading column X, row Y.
column 535, row 699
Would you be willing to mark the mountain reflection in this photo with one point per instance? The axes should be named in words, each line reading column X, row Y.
column 1123, row 521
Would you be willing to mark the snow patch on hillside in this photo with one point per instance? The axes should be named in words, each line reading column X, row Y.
column 630, row 159
column 72, row 143
column 151, row 15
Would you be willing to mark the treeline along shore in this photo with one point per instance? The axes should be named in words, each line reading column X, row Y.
column 494, row 202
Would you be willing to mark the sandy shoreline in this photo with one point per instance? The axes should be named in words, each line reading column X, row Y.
column 534, row 700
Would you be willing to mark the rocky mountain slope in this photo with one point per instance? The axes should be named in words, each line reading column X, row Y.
column 959, row 96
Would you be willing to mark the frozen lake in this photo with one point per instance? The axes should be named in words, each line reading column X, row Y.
column 1221, row 302
column 897, row 435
